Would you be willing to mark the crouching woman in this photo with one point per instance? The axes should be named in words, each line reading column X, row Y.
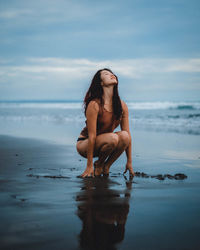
column 104, row 112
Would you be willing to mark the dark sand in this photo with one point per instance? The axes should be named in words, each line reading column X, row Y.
column 43, row 205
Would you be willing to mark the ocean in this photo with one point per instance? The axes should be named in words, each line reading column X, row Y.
column 66, row 118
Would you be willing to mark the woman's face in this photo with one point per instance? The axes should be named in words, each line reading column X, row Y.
column 108, row 78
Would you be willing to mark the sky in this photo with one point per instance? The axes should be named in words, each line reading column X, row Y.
column 50, row 50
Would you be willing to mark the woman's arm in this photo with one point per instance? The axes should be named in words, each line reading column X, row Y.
column 91, row 115
column 125, row 127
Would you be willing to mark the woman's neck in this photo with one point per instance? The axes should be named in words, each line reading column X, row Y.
column 107, row 94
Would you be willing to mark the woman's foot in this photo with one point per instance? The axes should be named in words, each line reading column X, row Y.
column 98, row 168
column 106, row 170
column 89, row 172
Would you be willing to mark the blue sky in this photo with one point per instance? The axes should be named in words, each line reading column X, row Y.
column 51, row 49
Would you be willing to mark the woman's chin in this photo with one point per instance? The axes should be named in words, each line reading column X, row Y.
column 114, row 82
column 109, row 84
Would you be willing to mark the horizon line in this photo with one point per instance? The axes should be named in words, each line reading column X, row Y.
column 79, row 100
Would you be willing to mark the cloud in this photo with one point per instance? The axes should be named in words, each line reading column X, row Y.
column 48, row 12
column 15, row 13
column 78, row 68
column 188, row 65
column 53, row 77
column 57, row 78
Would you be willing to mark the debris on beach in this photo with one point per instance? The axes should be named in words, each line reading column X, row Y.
column 72, row 169
column 14, row 196
column 116, row 174
column 49, row 176
column 178, row 176
column 23, row 200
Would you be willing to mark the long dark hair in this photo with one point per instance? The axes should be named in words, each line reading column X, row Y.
column 95, row 91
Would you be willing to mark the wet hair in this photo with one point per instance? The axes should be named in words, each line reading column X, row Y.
column 95, row 91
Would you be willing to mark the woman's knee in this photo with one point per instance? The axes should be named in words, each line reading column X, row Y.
column 111, row 141
column 124, row 138
column 106, row 142
column 81, row 150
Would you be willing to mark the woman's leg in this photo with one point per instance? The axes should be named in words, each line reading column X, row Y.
column 108, row 146
column 124, row 140
column 104, row 142
column 104, row 146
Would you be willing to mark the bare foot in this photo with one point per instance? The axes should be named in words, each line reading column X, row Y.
column 106, row 170
column 98, row 168
column 89, row 172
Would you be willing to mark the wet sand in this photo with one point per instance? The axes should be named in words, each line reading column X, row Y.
column 43, row 205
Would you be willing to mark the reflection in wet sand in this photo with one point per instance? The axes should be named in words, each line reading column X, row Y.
column 103, row 212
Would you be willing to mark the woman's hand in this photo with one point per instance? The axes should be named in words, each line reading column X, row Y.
column 89, row 172
column 130, row 168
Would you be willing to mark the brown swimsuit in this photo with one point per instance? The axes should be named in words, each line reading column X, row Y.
column 106, row 122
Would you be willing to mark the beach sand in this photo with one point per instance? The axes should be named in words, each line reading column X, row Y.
column 43, row 205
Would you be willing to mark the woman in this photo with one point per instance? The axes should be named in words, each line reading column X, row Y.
column 104, row 111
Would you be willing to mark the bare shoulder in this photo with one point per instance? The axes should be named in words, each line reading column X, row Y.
column 93, row 107
column 124, row 106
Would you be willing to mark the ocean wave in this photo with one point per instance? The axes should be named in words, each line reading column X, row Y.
column 193, row 115
column 185, row 107
column 174, row 116
column 42, row 105
column 185, row 116
column 182, row 125
column 79, row 105
column 42, row 118
column 163, row 105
